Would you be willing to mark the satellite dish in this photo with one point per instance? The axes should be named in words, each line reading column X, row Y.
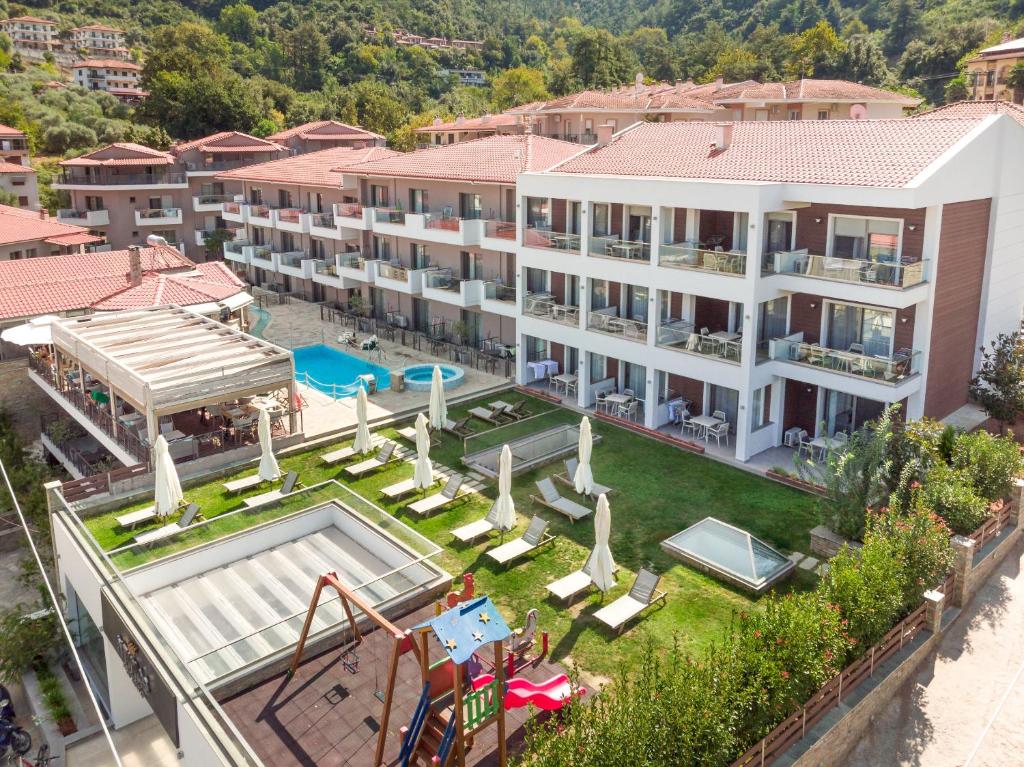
column 858, row 112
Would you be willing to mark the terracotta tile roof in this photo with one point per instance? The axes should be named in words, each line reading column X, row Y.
column 312, row 169
column 494, row 159
column 32, row 19
column 975, row 109
column 53, row 284
column 123, row 153
column 75, row 238
column 20, row 225
column 106, row 64
column 325, row 130
column 646, row 98
column 486, row 122
column 811, row 90
column 208, row 282
column 877, row 153
column 98, row 28
column 228, row 141
column 1007, row 47
column 6, row 130
column 13, row 167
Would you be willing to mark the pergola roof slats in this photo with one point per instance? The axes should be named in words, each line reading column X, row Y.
column 158, row 361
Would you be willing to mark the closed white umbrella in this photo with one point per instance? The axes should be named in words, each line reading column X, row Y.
column 505, row 506
column 423, row 476
column 362, row 442
column 438, row 407
column 602, row 566
column 35, row 332
column 269, row 470
column 584, row 479
column 168, row 487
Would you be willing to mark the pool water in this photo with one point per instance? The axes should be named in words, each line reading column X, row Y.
column 421, row 377
column 334, row 372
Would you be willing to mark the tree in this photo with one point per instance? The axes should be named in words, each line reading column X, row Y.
column 1015, row 80
column 735, row 64
column 214, row 243
column 816, row 49
column 999, row 384
column 957, row 89
column 653, row 49
column 517, row 86
column 240, row 22
column 189, row 107
column 904, row 22
column 307, row 51
column 863, row 62
column 601, row 61
column 190, row 49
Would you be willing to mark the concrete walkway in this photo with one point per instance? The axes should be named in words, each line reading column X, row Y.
column 966, row 709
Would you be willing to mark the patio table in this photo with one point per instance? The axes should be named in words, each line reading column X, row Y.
column 564, row 381
column 824, row 444
column 705, row 422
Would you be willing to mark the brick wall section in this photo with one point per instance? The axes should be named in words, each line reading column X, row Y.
column 679, row 224
column 801, row 406
column 814, row 236
column 558, row 215
column 690, row 388
column 963, row 242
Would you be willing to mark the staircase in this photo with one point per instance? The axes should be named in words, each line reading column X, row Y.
column 428, row 739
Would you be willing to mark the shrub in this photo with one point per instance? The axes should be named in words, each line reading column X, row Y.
column 917, row 541
column 950, row 493
column 993, row 462
column 53, row 694
column 24, row 641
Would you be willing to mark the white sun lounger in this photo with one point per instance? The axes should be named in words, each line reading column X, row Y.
column 569, row 478
column 574, row 583
column 342, row 454
column 536, row 535
column 409, row 433
column 243, row 484
column 189, row 515
column 290, row 481
column 643, row 594
column 551, row 498
column 133, row 518
column 481, row 527
column 384, row 456
column 403, row 488
column 494, row 416
column 451, row 492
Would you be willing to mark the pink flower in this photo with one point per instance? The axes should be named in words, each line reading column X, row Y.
column 785, row 675
column 757, row 633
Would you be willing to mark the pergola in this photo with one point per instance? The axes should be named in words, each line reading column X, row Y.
column 166, row 360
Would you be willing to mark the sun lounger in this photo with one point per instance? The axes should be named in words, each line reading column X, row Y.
column 574, row 583
column 517, row 410
column 243, row 484
column 409, row 433
column 290, row 481
column 458, row 428
column 133, row 518
column 494, row 416
column 451, row 492
column 536, row 535
column 569, row 478
column 343, row 454
column 643, row 594
column 550, row 497
column 402, row 489
column 386, row 455
column 481, row 527
column 187, row 518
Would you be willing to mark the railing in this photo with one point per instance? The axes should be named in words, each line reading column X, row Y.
column 393, row 272
column 500, row 230
column 218, row 165
column 546, row 308
column 496, row 292
column 151, row 213
column 634, row 330
column 292, row 258
column 121, row 178
column 233, row 207
column 352, row 261
column 96, row 484
column 884, row 369
column 214, row 199
column 260, row 210
column 680, row 336
column 323, row 220
column 796, row 725
column 235, row 247
column 858, row 271
column 441, row 279
column 263, row 252
column 545, row 237
column 681, row 255
column 350, row 210
column 290, row 215
column 389, row 215
column 52, row 426
column 613, row 247
column 991, row 527
column 447, row 223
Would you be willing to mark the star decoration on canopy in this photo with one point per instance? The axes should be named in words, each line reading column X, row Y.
column 478, row 636
column 485, row 618
column 451, row 644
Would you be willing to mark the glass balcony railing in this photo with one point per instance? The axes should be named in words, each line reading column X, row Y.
column 389, row 215
column 140, row 179
column 545, row 237
column 150, row 213
column 883, row 368
column 613, row 247
column 262, row 252
column 260, row 210
column 894, row 274
column 441, row 279
column 684, row 255
column 235, row 247
column 232, row 207
column 352, row 261
column 682, row 336
column 293, row 258
column 446, row 223
column 349, row 210
column 290, row 215
column 323, row 220
column 543, row 305
column 495, row 292
column 215, row 199
column 393, row 272
column 607, row 322
column 500, row 230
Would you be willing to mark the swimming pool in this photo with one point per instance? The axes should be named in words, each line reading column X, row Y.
column 334, row 372
column 421, row 377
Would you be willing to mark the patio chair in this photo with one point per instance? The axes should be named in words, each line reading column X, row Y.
column 402, row 489
column 536, row 535
column 550, row 497
column 688, row 427
column 719, row 414
column 480, row 527
column 804, row 444
column 601, row 401
column 243, row 484
column 628, row 410
column 642, row 595
column 841, row 437
column 722, row 430
column 569, row 478
column 291, row 480
column 342, row 454
column 458, row 428
column 133, row 518
column 186, row 519
column 385, row 456
column 451, row 492
column 492, row 416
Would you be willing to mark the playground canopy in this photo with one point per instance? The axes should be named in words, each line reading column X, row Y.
column 467, row 627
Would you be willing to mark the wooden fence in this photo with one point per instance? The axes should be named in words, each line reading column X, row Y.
column 80, row 489
column 991, row 527
column 795, row 726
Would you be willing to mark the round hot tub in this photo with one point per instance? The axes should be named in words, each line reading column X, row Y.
column 419, row 377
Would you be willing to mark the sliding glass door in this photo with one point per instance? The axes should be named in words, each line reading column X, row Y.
column 847, row 413
column 859, row 329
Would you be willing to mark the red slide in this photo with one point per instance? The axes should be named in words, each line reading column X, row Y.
column 549, row 695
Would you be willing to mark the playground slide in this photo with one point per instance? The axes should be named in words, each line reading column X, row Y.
column 549, row 695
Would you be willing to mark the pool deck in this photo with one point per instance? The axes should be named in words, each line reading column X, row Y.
column 325, row 716
column 298, row 324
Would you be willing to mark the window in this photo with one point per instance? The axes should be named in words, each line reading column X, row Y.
column 598, row 294
column 537, row 212
column 381, row 248
column 470, row 205
column 990, row 78
column 794, row 114
column 598, row 367
column 418, row 255
column 860, row 329
column 418, row 201
column 822, row 114
column 284, row 199
column 873, row 239
column 378, row 196
column 602, row 219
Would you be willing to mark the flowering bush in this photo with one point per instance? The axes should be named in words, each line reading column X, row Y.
column 917, row 541
column 993, row 462
column 950, row 493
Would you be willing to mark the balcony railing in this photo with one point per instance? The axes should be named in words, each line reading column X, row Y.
column 350, row 210
column 858, row 271
column 152, row 213
column 495, row 292
column 613, row 247
column 74, row 179
column 260, row 210
column 215, row 199
column 604, row 321
column 290, row 215
column 543, row 305
column 393, row 272
column 441, row 279
column 684, row 255
column 680, row 335
column 891, row 370
column 545, row 237
column 447, row 223
column 322, row 220
column 389, row 215
column 215, row 165
column 233, row 207
column 235, row 247
column 262, row 252
column 293, row 258
column 500, row 230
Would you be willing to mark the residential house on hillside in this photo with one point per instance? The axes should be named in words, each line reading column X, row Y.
column 99, row 41
column 117, row 77
column 32, row 36
column 325, row 134
column 987, row 72
column 29, row 233
column 17, row 177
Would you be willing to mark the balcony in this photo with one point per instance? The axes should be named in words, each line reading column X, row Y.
column 260, row 214
column 544, row 306
column 498, row 235
column 216, row 166
column 158, row 216
column 120, row 180
column 680, row 336
column 237, row 212
column 325, row 226
column 261, row 256
column 89, row 218
column 352, row 215
column 615, row 247
column 447, row 230
column 399, row 278
column 897, row 275
column 202, row 234
column 875, row 368
column 498, row 299
column 440, row 285
column 344, row 270
column 608, row 321
column 546, row 238
column 211, row 203
column 236, row 251
column 686, row 255
column 292, row 220
column 290, row 263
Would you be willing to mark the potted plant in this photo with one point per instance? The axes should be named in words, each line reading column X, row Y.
column 356, row 304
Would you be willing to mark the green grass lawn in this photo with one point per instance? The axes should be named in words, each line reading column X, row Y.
column 659, row 491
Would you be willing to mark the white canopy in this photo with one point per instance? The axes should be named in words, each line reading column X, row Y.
column 168, row 487
column 438, row 407
column 584, row 479
column 505, row 506
column 362, row 441
column 269, row 469
column 602, row 566
column 33, row 333
column 423, row 476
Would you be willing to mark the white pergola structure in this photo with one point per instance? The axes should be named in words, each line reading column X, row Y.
column 167, row 360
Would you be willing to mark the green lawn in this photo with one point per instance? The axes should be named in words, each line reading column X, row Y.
column 660, row 491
